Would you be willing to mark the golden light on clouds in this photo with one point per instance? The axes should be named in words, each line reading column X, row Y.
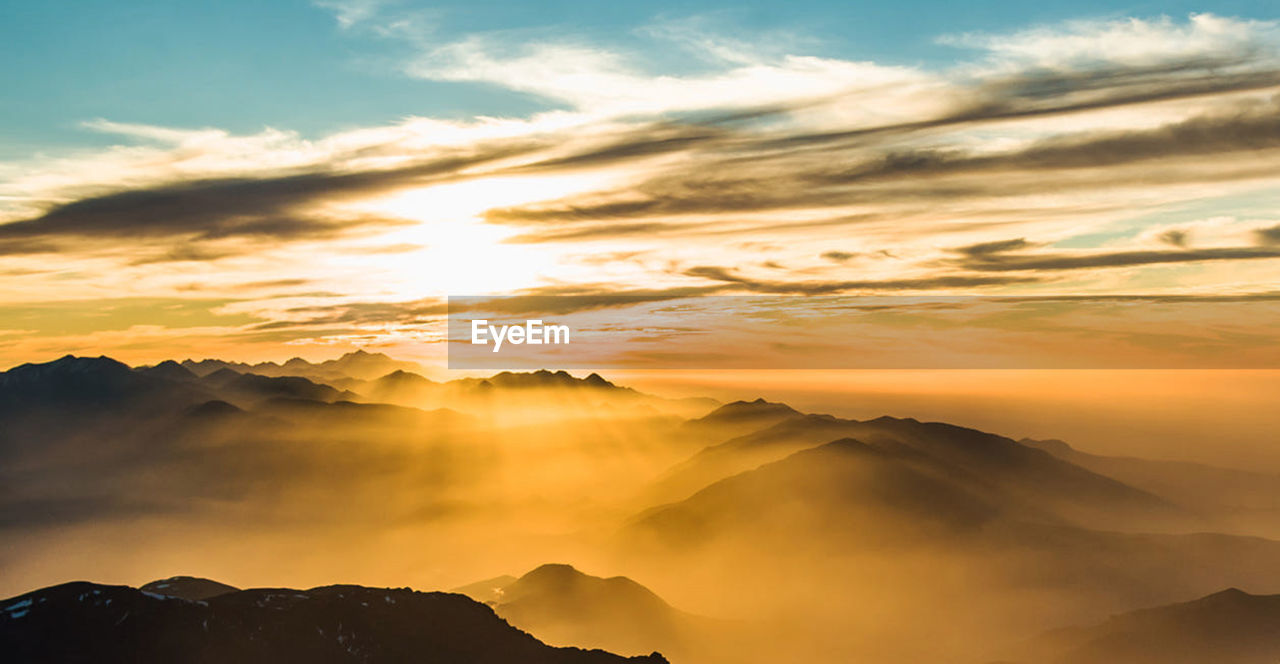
column 1147, row 170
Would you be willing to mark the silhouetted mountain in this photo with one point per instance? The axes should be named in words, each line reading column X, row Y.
column 524, row 396
column 44, row 404
column 768, row 442
column 364, row 365
column 188, row 587
column 1020, row 474
column 401, row 387
column 541, row 379
column 489, row 591
column 1241, row 500
column 375, row 377
column 79, row 382
column 359, row 364
column 170, row 370
column 252, row 387
column 562, row 588
column 740, row 417
column 213, row 409
column 566, row 607
column 849, row 500
column 1228, row 627
column 400, row 378
column 220, row 377
column 86, row 622
column 205, row 367
column 881, row 493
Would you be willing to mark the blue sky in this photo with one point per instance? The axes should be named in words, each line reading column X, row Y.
column 241, row 65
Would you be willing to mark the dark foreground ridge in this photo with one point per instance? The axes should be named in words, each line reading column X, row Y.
column 88, row 622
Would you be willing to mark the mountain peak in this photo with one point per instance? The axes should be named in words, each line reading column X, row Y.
column 1231, row 595
column 169, row 370
column 597, row 380
column 546, row 378
column 192, row 588
column 560, row 585
column 1053, row 446
column 402, row 376
column 760, row 408
column 85, row 363
column 222, row 376
column 69, row 371
column 361, row 355
column 553, row 571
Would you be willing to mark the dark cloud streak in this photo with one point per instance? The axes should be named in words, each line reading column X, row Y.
column 789, row 181
column 1050, row 261
column 276, row 208
column 730, row 276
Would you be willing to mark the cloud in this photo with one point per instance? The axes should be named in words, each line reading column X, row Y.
column 185, row 253
column 731, row 276
column 1176, row 237
column 350, row 13
column 283, row 207
column 398, row 248
column 595, row 232
column 600, row 81
column 542, row 300
column 752, row 173
column 12, row 246
column 995, row 247
column 1268, row 236
column 1133, row 41
column 651, row 139
column 1245, row 127
column 413, row 312
column 1001, row 262
column 706, row 36
column 571, row 299
column 838, row 256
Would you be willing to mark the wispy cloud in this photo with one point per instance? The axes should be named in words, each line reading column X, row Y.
column 351, row 13
column 1131, row 41
column 1003, row 261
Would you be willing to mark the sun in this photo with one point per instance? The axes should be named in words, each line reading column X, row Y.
column 459, row 252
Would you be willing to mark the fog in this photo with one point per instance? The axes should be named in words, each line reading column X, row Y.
column 764, row 533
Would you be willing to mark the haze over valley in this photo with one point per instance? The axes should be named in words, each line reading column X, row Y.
column 593, row 515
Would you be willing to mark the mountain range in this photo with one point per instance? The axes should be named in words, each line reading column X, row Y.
column 810, row 537
column 358, row 365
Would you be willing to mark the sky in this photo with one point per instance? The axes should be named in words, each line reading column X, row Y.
column 264, row 180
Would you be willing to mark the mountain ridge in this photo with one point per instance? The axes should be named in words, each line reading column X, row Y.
column 81, row 621
column 1230, row 626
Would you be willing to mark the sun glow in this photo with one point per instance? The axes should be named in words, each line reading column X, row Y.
column 460, row 253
